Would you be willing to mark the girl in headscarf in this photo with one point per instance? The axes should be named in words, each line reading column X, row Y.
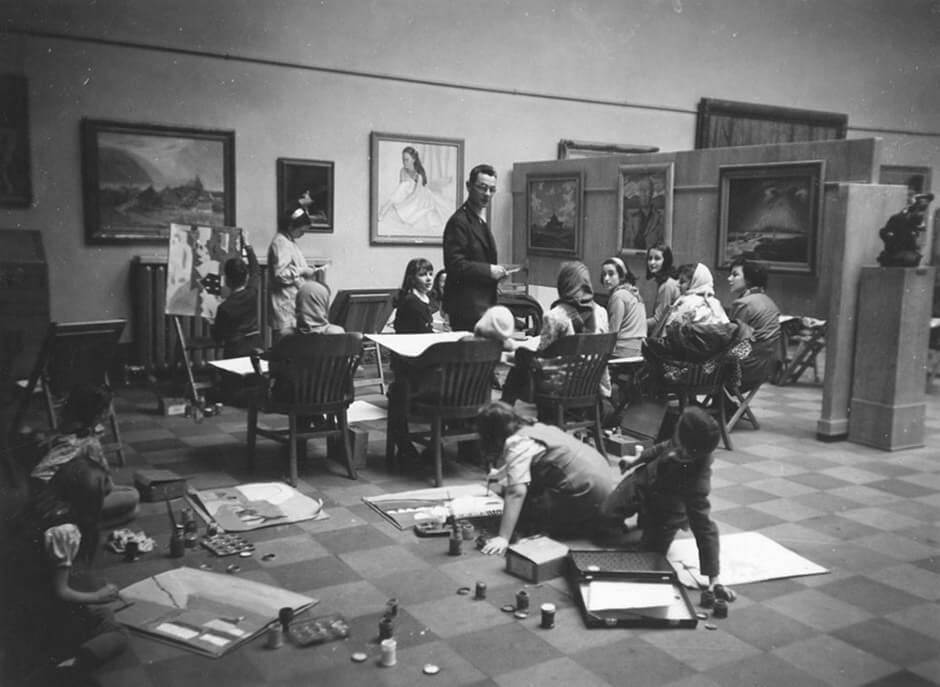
column 575, row 311
column 697, row 304
column 313, row 309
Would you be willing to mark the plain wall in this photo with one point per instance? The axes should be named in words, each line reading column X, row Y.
column 509, row 78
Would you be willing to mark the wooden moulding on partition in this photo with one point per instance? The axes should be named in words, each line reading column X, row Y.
column 569, row 149
column 724, row 123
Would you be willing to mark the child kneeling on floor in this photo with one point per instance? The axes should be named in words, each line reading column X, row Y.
column 85, row 409
column 551, row 482
column 668, row 487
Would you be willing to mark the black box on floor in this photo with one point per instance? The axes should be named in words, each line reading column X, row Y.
column 628, row 589
column 159, row 485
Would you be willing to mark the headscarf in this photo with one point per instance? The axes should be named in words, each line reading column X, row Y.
column 576, row 291
column 313, row 307
column 702, row 282
column 497, row 323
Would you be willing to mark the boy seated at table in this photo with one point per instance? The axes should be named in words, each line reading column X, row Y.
column 236, row 319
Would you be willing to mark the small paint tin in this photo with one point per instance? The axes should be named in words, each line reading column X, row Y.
column 275, row 636
column 480, row 591
column 391, row 608
column 467, row 530
column 389, row 652
column 707, row 600
column 521, row 615
column 431, row 669
column 522, row 600
column 548, row 616
column 131, row 550
column 721, row 609
column 508, row 608
column 359, row 657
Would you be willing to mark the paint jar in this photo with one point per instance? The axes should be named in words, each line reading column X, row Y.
column 522, row 600
column 721, row 609
column 454, row 546
column 131, row 550
column 548, row 616
column 391, row 608
column 467, row 530
column 389, row 652
column 480, row 591
column 707, row 600
column 177, row 542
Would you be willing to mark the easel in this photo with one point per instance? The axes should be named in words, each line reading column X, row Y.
column 197, row 407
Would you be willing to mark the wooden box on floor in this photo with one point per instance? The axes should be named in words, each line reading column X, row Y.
column 888, row 405
column 359, row 440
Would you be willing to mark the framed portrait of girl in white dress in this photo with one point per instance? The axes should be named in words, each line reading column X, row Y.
column 416, row 187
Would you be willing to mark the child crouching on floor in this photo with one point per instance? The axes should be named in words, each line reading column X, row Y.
column 551, row 482
column 56, row 540
column 85, row 408
column 668, row 488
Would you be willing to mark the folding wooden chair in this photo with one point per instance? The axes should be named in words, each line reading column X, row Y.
column 74, row 353
column 811, row 340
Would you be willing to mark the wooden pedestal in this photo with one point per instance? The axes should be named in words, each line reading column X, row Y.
column 893, row 325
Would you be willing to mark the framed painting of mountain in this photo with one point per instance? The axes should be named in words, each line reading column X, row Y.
column 137, row 179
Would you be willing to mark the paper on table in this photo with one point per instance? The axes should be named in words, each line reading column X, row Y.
column 239, row 366
column 605, row 595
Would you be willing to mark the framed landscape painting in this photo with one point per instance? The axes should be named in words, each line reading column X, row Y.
column 309, row 183
column 15, row 186
column 138, row 179
column 770, row 213
column 417, row 184
column 554, row 206
column 645, row 202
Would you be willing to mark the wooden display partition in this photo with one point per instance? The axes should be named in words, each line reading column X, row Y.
column 888, row 404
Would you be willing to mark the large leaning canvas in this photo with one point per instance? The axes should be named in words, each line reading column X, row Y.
column 196, row 258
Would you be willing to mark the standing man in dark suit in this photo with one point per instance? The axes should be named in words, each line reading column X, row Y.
column 470, row 254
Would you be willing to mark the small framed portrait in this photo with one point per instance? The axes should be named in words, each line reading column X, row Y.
column 310, row 184
column 645, row 202
column 554, row 208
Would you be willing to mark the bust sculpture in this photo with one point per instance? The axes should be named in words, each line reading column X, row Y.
column 901, row 232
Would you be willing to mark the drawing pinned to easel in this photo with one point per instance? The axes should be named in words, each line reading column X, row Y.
column 196, row 257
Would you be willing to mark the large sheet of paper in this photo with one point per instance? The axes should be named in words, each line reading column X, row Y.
column 408, row 508
column 413, row 345
column 209, row 613
column 252, row 506
column 195, row 260
column 238, row 366
column 745, row 557
column 606, row 595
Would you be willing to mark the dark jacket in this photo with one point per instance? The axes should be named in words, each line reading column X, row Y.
column 469, row 251
column 236, row 320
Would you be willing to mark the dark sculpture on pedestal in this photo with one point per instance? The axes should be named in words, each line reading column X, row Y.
column 901, row 232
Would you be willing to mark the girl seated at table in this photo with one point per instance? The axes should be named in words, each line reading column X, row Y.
column 575, row 312
column 697, row 303
column 412, row 316
column 659, row 267
column 625, row 311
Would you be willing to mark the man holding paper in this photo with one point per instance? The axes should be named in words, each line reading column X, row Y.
column 470, row 254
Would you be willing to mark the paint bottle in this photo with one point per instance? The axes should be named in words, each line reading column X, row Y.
column 177, row 542
column 275, row 636
column 522, row 600
column 386, row 628
column 480, row 593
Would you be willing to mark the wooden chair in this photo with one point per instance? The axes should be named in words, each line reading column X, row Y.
column 456, row 380
column 365, row 311
column 309, row 375
column 74, row 353
column 810, row 335
column 567, row 377
column 685, row 382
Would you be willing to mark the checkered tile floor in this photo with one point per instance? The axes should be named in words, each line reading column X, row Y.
column 869, row 516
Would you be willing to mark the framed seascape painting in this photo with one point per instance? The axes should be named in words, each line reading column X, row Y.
column 554, row 206
column 416, row 187
column 139, row 178
column 308, row 183
column 771, row 213
column 645, row 203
